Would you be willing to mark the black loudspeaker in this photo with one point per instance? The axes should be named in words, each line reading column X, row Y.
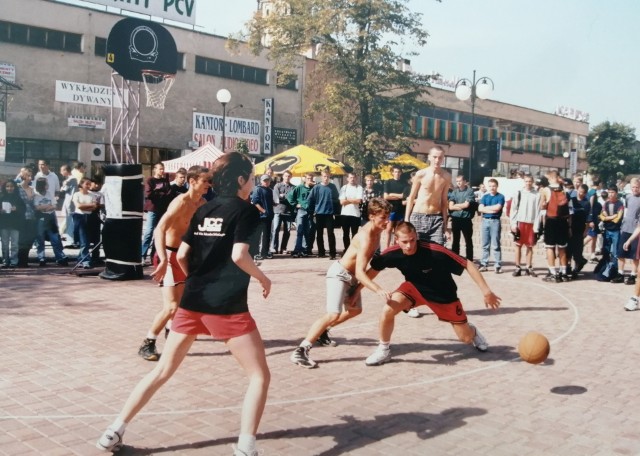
column 485, row 160
column 122, row 231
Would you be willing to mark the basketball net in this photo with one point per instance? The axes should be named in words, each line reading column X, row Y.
column 157, row 86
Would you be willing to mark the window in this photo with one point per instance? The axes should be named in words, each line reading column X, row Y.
column 222, row 69
column 31, row 150
column 289, row 82
column 100, row 47
column 40, row 37
column 181, row 64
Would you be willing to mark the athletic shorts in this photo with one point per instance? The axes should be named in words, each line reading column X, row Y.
column 221, row 327
column 527, row 236
column 430, row 227
column 556, row 232
column 632, row 253
column 174, row 275
column 340, row 286
column 396, row 216
column 451, row 312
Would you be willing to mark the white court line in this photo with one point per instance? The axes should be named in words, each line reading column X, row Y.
column 445, row 378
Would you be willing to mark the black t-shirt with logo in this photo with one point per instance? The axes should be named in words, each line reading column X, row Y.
column 429, row 269
column 216, row 285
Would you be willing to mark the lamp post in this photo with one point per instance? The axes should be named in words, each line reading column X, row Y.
column 224, row 97
column 566, row 161
column 473, row 89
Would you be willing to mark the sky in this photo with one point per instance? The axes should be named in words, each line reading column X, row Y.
column 540, row 54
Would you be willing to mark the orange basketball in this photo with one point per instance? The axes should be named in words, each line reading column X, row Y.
column 534, row 348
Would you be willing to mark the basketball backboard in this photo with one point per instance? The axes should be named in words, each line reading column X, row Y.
column 135, row 45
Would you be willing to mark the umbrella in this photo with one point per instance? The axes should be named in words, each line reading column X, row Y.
column 301, row 160
column 408, row 164
column 203, row 156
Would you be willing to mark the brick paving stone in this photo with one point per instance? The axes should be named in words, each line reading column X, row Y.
column 72, row 354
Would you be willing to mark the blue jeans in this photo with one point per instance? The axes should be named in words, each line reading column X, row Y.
column 278, row 220
column 491, row 230
column 304, row 240
column 10, row 237
column 147, row 238
column 611, row 241
column 48, row 228
column 81, row 221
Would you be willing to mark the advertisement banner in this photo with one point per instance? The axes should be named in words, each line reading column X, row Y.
column 3, row 141
column 8, row 72
column 88, row 94
column 207, row 128
column 176, row 10
column 268, row 125
column 87, row 122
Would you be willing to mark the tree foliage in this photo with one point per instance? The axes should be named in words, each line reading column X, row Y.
column 607, row 144
column 362, row 100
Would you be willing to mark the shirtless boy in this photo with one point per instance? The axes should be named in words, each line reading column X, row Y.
column 168, row 236
column 342, row 281
column 427, row 204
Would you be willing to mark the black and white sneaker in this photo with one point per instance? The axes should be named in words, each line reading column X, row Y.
column 148, row 350
column 325, row 340
column 300, row 356
column 110, row 441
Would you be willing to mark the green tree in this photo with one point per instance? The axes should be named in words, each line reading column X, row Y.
column 607, row 144
column 242, row 147
column 363, row 101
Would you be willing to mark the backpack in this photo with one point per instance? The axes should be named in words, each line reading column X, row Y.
column 604, row 270
column 558, row 203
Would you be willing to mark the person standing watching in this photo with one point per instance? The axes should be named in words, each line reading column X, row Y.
column 156, row 195
column 323, row 203
column 350, row 198
column 462, row 206
column 283, row 214
column 524, row 214
column 262, row 199
column 491, row 206
column 53, row 183
column 629, row 221
column 299, row 198
column 394, row 193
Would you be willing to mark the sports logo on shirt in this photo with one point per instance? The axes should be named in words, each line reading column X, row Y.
column 210, row 226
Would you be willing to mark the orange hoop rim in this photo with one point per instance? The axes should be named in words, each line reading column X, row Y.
column 156, row 73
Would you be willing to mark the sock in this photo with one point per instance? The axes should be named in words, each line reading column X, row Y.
column 552, row 270
column 118, row 425
column 563, row 270
column 384, row 345
column 247, row 443
column 306, row 344
column 518, row 266
column 151, row 335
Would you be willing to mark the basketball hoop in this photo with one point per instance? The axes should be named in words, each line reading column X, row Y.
column 157, row 85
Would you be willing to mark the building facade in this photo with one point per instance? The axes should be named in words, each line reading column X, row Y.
column 62, row 112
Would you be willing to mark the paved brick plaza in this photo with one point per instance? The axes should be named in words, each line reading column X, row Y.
column 68, row 362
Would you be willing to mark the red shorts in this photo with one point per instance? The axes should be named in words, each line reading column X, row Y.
column 174, row 275
column 527, row 236
column 219, row 326
column 451, row 312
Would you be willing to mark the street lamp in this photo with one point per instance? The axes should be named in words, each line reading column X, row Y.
column 473, row 89
column 224, row 97
column 566, row 161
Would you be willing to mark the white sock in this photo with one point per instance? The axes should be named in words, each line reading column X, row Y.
column 384, row 345
column 151, row 335
column 118, row 425
column 563, row 270
column 306, row 344
column 552, row 270
column 247, row 443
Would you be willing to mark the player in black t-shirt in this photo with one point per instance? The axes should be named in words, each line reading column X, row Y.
column 427, row 268
column 215, row 255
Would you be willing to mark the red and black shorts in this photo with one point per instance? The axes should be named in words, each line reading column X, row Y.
column 452, row 312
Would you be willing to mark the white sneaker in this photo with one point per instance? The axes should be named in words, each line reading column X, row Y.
column 479, row 341
column 632, row 304
column 380, row 356
column 238, row 452
column 413, row 313
column 110, row 441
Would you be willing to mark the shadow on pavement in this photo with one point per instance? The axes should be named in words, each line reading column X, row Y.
column 352, row 434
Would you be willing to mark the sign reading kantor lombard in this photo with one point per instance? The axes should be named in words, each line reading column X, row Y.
column 175, row 10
